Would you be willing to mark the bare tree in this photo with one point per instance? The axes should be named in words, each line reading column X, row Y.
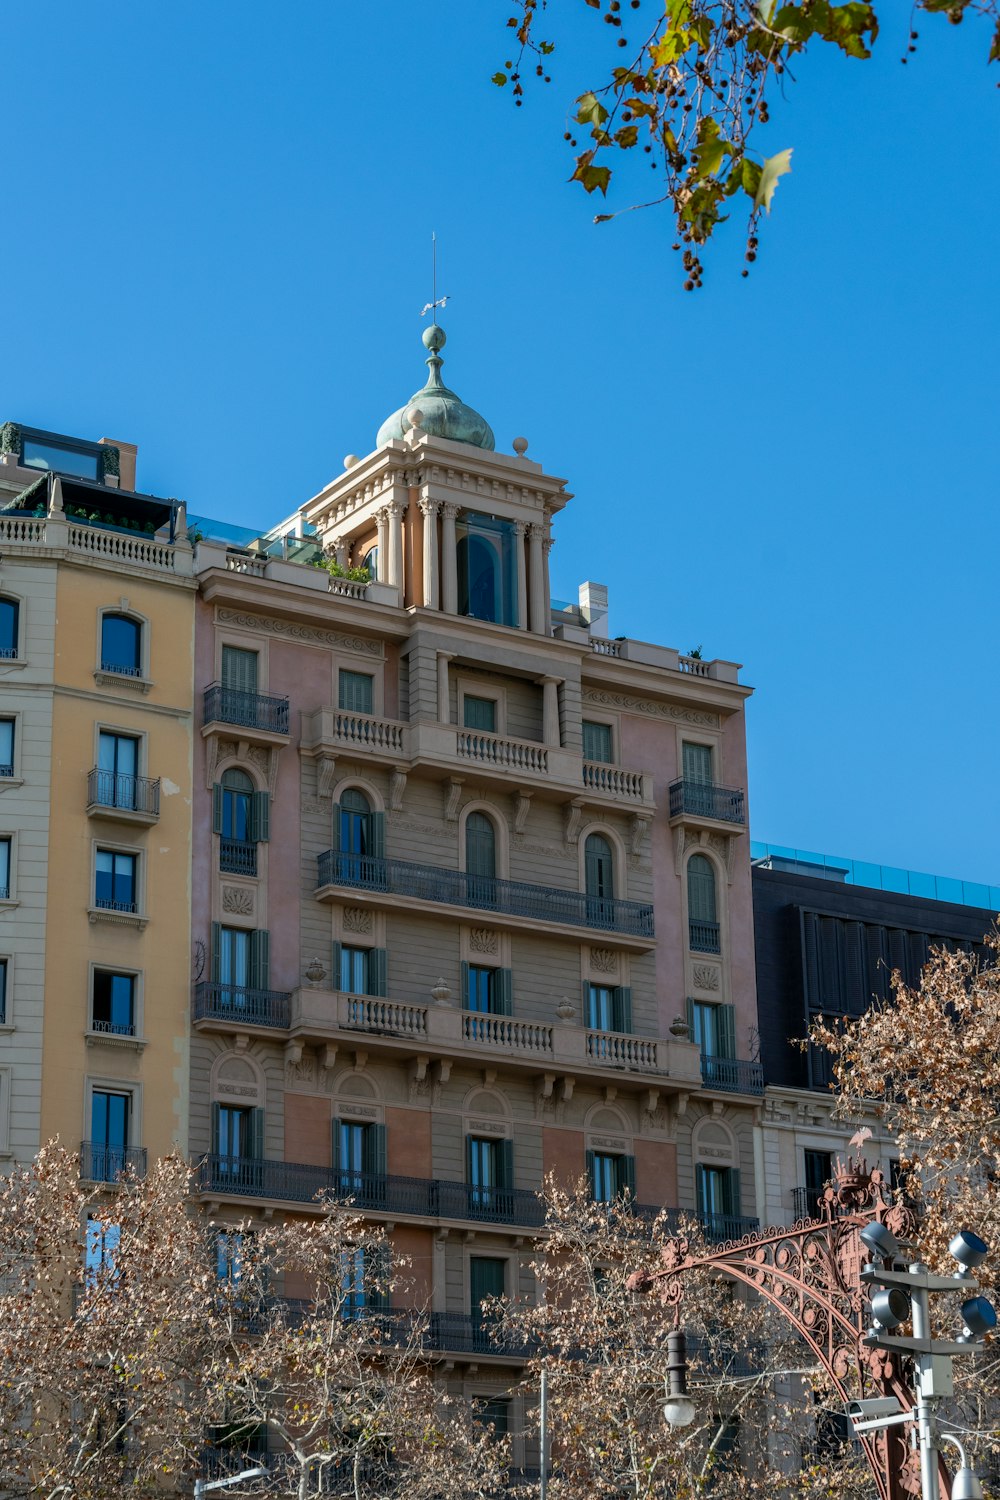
column 605, row 1354
column 102, row 1323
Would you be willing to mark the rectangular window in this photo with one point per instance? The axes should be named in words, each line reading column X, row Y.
column 234, row 1132
column 353, row 1282
column 600, row 1007
column 819, row 1170
column 480, row 713
column 239, row 669
column 228, row 1255
column 234, row 957
column 37, row 453
column 354, row 970
column 113, row 1003
column 597, row 742
column 697, row 763
column 490, row 1176
column 718, row 1199
column 493, row 1412
column 5, row 869
column 482, row 995
column 10, row 612
column 355, row 692
column 3, row 993
column 100, row 1250
column 116, row 883
column 117, row 769
column 487, row 568
column 6, row 747
column 359, row 1159
column 487, row 1278
column 110, row 1134
column 612, row 1175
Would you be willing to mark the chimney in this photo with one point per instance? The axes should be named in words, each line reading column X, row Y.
column 594, row 608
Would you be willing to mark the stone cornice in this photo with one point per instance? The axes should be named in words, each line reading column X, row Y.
column 293, row 630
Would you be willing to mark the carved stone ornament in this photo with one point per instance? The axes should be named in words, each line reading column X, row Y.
column 441, row 993
column 707, row 976
column 310, row 635
column 654, row 710
column 484, row 940
column 679, row 1028
column 238, row 900
column 566, row 1010
column 604, row 960
column 357, row 919
column 316, row 973
column 397, row 786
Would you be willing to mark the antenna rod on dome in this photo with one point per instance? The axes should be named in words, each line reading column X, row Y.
column 435, row 301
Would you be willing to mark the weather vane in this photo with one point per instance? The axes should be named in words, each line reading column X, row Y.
column 436, row 301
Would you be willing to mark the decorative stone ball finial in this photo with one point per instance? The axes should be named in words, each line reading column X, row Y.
column 434, row 338
column 351, row 460
column 415, row 417
column 520, row 446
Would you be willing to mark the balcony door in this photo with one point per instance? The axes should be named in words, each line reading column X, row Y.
column 239, row 669
column 480, row 860
column 110, row 1120
column 118, row 767
column 697, row 772
column 599, row 877
column 490, row 1177
column 487, row 1278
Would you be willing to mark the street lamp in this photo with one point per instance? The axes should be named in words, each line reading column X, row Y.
column 678, row 1409
column 904, row 1295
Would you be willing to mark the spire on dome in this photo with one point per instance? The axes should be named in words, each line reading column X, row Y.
column 444, row 413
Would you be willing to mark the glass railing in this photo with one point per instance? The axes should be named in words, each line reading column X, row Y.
column 879, row 877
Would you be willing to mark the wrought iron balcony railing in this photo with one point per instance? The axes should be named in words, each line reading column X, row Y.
column 113, row 789
column 734, row 1074
column 227, row 705
column 236, row 857
column 718, row 1227
column 703, row 799
column 217, row 1001
column 703, row 937
column 507, row 897
column 803, row 1203
column 100, row 1163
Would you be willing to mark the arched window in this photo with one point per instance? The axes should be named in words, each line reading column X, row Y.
column 121, row 645
column 237, row 805
column 9, row 613
column 479, row 578
column 480, row 859
column 599, row 879
column 355, row 823
column 241, row 817
column 703, row 914
column 370, row 561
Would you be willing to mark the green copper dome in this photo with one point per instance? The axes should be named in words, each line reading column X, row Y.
column 444, row 415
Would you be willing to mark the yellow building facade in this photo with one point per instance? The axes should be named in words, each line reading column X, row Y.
column 96, row 704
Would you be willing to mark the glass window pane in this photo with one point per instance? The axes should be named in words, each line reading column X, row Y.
column 114, row 1003
column 600, row 1007
column 121, row 641
column 6, row 747
column 354, row 970
column 482, row 989
column 40, row 455
column 8, row 628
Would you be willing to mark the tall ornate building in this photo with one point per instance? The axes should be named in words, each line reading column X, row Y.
column 471, row 881
column 96, row 641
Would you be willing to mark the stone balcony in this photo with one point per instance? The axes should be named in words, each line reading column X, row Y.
column 41, row 535
column 438, row 1035
column 451, row 750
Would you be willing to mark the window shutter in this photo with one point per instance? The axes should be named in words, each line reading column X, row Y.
column 335, row 840
column 731, row 1192
column 504, row 991
column 697, row 763
column 216, row 1129
column 465, row 985
column 217, row 808
column 260, row 958
column 727, row 1030
column 375, row 1155
column 378, row 835
column 689, row 1005
column 468, row 1159
column 505, row 1164
column 336, row 967
column 699, row 1178
column 335, row 1146
column 621, row 1003
column 256, row 1141
column 588, row 1015
column 626, row 1176
column 591, row 1174
column 377, row 972
column 260, row 817
column 381, row 1270
column 215, row 958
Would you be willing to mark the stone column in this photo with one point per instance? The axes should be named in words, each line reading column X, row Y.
column 382, row 521
column 536, row 535
column 341, row 550
column 449, row 559
column 522, row 576
column 550, row 710
column 395, row 515
column 429, row 511
column 444, row 697
column 547, row 546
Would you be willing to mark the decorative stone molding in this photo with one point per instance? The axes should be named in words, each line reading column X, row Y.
column 358, row 919
column 604, row 960
column 522, row 806
column 238, row 900
column 326, row 774
column 308, row 635
column 315, row 973
column 573, row 813
column 220, row 748
column 397, row 786
column 455, row 784
column 673, row 711
column 484, row 940
column 707, row 976
column 637, row 831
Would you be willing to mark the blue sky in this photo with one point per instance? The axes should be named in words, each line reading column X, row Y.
column 218, row 244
